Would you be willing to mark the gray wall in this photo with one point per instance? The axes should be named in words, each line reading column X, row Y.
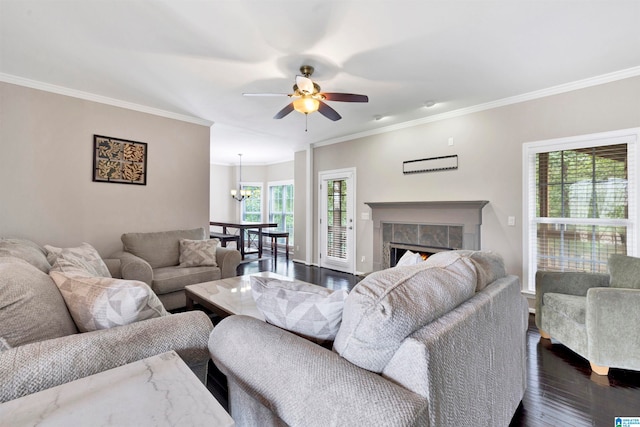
column 489, row 146
column 46, row 191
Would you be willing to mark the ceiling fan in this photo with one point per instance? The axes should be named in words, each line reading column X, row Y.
column 309, row 99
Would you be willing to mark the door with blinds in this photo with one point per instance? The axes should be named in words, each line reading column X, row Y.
column 337, row 248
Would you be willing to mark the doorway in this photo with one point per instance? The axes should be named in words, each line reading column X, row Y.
column 337, row 243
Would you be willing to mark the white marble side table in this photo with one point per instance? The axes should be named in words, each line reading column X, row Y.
column 158, row 391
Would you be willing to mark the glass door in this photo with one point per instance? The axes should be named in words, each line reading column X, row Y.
column 337, row 250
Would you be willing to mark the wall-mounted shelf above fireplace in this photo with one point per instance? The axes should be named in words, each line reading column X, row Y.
column 437, row 204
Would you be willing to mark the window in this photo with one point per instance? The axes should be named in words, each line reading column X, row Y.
column 337, row 219
column 281, row 207
column 580, row 201
column 252, row 206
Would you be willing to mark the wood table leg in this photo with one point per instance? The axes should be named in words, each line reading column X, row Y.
column 274, row 247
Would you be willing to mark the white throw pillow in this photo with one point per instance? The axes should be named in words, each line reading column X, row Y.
column 85, row 257
column 409, row 258
column 103, row 302
column 305, row 309
column 198, row 253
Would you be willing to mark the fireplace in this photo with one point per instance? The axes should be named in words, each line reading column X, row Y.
column 433, row 226
column 396, row 250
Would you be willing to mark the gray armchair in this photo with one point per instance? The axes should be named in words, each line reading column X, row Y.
column 595, row 315
column 153, row 258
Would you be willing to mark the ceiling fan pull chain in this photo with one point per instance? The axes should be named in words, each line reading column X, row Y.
column 306, row 122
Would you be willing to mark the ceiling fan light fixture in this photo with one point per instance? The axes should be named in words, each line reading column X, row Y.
column 306, row 105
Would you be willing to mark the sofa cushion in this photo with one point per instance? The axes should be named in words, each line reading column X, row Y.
column 388, row 305
column 103, row 302
column 624, row 271
column 489, row 265
column 84, row 257
column 31, row 307
column 171, row 279
column 198, row 253
column 159, row 249
column 308, row 310
column 26, row 250
column 572, row 306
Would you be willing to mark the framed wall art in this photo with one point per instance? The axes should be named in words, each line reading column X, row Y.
column 119, row 160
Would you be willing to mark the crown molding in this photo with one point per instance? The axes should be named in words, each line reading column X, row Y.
column 554, row 90
column 61, row 90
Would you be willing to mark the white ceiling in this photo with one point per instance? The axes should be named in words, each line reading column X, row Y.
column 196, row 58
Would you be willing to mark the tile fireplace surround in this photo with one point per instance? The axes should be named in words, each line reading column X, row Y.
column 440, row 224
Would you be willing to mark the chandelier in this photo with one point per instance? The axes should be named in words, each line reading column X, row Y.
column 240, row 194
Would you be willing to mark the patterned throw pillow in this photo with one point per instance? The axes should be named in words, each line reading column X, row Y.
column 103, row 302
column 4, row 345
column 305, row 309
column 84, row 257
column 198, row 253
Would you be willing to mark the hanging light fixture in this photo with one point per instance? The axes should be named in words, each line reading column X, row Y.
column 307, row 104
column 240, row 194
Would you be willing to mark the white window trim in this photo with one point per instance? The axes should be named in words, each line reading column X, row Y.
column 530, row 149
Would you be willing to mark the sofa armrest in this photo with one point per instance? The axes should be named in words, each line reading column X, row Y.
column 41, row 365
column 267, row 363
column 228, row 261
column 113, row 265
column 133, row 267
column 570, row 283
column 612, row 318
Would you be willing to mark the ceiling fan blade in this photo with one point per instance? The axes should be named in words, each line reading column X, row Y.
column 305, row 84
column 345, row 97
column 286, row 110
column 266, row 94
column 328, row 112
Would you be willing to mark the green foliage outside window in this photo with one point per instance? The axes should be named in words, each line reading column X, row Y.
column 252, row 206
column 281, row 208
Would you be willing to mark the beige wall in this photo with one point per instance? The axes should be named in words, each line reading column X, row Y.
column 46, row 188
column 489, row 146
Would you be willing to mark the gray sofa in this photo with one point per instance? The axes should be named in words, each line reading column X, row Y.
column 595, row 315
column 154, row 257
column 436, row 353
column 40, row 346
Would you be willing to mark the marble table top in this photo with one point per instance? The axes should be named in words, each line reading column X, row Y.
column 233, row 294
column 158, row 391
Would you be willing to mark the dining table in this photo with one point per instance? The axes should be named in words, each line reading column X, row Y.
column 242, row 226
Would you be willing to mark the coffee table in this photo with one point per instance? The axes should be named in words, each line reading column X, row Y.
column 157, row 391
column 228, row 296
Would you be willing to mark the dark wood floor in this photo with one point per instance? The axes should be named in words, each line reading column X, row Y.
column 561, row 390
